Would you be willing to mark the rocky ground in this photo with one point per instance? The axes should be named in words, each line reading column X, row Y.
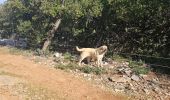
column 120, row 78
column 27, row 78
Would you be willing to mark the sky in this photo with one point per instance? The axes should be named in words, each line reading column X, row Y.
column 2, row 1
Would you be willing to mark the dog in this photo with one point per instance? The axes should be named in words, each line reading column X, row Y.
column 95, row 54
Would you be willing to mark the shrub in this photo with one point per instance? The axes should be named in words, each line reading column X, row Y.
column 118, row 58
column 99, row 71
column 70, row 65
column 95, row 70
column 138, row 67
column 86, row 69
column 67, row 55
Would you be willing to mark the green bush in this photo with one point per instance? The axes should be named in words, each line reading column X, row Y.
column 95, row 70
column 70, row 65
column 138, row 67
column 99, row 71
column 118, row 58
column 86, row 69
column 67, row 55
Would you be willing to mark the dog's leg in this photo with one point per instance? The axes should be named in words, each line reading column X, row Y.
column 88, row 60
column 98, row 58
column 98, row 62
column 81, row 59
column 101, row 63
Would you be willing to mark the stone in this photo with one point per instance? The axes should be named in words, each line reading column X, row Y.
column 57, row 54
column 135, row 78
column 110, row 66
column 105, row 63
column 146, row 91
column 128, row 72
column 121, row 69
column 117, row 90
column 119, row 79
column 109, row 60
column 155, row 80
column 120, row 87
column 127, row 63
column 157, row 90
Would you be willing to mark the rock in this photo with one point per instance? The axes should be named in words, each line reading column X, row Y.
column 105, row 63
column 135, row 77
column 89, row 78
column 145, row 77
column 157, row 90
column 155, row 80
column 146, row 91
column 128, row 79
column 119, row 79
column 110, row 66
column 128, row 72
column 117, row 90
column 109, row 60
column 87, row 75
column 125, row 64
column 149, row 77
column 77, row 70
column 120, row 87
column 57, row 54
column 121, row 69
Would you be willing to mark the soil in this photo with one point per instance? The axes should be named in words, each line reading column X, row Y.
column 21, row 79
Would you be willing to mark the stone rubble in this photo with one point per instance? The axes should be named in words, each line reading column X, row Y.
column 122, row 79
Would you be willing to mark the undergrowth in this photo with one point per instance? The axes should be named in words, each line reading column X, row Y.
column 69, row 63
column 138, row 67
column 85, row 69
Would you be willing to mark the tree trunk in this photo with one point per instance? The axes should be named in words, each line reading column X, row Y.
column 50, row 35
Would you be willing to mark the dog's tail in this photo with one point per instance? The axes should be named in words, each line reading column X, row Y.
column 78, row 49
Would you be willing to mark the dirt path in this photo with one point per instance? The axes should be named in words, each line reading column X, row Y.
column 61, row 84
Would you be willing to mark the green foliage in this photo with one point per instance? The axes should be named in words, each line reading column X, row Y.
column 67, row 55
column 138, row 67
column 119, row 58
column 95, row 70
column 71, row 66
column 85, row 69
column 130, row 26
column 24, row 27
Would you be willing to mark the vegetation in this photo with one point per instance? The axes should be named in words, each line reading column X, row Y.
column 84, row 69
column 139, row 67
column 67, row 55
column 130, row 26
column 95, row 70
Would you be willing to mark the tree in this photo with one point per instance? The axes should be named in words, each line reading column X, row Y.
column 50, row 34
column 132, row 26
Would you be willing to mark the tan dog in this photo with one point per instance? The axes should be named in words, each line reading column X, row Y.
column 95, row 54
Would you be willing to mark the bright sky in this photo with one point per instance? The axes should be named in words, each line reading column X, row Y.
column 2, row 1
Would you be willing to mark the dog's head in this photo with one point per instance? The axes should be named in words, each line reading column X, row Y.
column 102, row 49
